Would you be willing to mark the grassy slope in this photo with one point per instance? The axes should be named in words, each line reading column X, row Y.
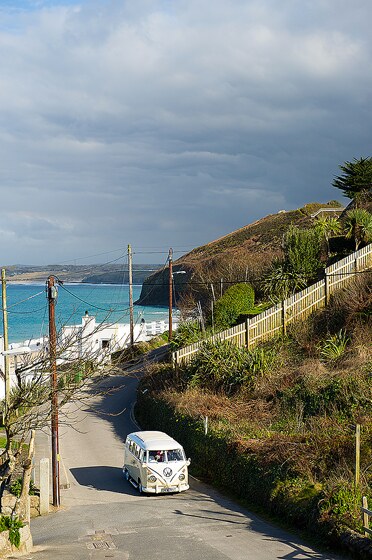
column 291, row 423
column 244, row 253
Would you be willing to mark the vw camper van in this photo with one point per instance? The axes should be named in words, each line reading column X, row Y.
column 155, row 463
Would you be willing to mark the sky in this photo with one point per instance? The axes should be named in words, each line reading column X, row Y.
column 170, row 123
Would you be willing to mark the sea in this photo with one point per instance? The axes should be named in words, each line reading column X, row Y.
column 27, row 307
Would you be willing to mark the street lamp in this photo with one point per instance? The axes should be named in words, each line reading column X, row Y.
column 171, row 275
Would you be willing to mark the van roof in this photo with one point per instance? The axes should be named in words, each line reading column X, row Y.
column 154, row 440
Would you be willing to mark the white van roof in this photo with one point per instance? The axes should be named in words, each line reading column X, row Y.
column 154, row 440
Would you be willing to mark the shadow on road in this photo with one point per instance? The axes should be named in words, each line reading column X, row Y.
column 106, row 478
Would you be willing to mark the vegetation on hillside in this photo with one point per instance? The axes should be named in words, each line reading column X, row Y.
column 281, row 416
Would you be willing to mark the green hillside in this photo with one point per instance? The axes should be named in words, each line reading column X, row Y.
column 241, row 255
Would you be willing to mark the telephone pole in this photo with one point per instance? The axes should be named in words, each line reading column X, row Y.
column 52, row 292
column 6, row 342
column 170, row 259
column 130, row 274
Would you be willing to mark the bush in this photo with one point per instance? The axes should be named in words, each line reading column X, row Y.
column 237, row 300
column 186, row 333
column 16, row 488
column 225, row 366
column 13, row 525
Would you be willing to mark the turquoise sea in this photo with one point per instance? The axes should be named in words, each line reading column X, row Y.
column 27, row 307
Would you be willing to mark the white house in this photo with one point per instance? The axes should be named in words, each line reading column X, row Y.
column 89, row 340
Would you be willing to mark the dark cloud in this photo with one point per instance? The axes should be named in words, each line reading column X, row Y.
column 162, row 123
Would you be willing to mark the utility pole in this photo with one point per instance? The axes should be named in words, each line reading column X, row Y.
column 6, row 342
column 170, row 259
column 130, row 275
column 52, row 292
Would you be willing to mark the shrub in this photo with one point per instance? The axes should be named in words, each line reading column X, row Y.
column 237, row 300
column 186, row 333
column 225, row 366
column 16, row 488
column 13, row 525
column 334, row 347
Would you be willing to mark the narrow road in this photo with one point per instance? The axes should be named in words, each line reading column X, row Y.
column 103, row 516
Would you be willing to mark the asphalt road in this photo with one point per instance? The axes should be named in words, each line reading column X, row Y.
column 103, row 516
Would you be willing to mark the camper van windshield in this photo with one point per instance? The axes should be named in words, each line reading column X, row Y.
column 175, row 455
column 164, row 456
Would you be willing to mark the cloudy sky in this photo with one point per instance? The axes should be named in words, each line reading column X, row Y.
column 168, row 123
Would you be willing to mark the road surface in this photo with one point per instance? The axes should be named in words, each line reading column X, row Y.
column 103, row 516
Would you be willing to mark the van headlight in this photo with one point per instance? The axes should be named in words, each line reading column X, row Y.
column 152, row 478
column 181, row 476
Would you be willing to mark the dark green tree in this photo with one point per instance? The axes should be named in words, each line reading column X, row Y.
column 356, row 177
column 299, row 265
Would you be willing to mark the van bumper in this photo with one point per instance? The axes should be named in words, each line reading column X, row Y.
column 165, row 489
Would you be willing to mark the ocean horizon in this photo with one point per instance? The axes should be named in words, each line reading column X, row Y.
column 27, row 307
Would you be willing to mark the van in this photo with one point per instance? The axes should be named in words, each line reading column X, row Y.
column 155, row 463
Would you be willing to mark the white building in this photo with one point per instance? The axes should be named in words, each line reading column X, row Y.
column 89, row 340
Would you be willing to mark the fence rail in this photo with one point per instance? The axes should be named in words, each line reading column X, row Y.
column 299, row 306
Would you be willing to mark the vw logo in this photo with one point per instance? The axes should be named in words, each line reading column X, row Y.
column 167, row 472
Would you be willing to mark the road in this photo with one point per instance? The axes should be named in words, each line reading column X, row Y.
column 102, row 515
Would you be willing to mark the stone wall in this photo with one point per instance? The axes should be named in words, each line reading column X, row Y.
column 7, row 548
column 9, row 500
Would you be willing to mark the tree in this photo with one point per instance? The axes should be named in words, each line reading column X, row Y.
column 326, row 227
column 299, row 265
column 358, row 225
column 28, row 404
column 282, row 281
column 356, row 178
column 302, row 248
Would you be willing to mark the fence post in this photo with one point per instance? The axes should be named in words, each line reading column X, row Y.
column 44, row 486
column 365, row 517
column 247, row 333
column 357, row 454
column 284, row 322
column 326, row 289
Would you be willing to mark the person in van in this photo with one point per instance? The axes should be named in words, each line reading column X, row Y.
column 159, row 457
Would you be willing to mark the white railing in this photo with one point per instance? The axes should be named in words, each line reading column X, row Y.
column 276, row 319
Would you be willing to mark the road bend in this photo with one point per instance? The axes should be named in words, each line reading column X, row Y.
column 102, row 516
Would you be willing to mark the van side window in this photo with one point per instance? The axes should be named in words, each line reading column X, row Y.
column 141, row 455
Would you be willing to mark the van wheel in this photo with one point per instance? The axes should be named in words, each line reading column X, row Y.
column 140, row 488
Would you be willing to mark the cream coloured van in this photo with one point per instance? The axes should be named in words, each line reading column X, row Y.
column 155, row 463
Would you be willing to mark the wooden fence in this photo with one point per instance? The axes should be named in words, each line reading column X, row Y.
column 366, row 515
column 299, row 306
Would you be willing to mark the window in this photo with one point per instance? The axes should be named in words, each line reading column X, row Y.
column 175, row 455
column 105, row 344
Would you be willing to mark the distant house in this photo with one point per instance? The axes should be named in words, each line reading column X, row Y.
column 334, row 212
column 96, row 341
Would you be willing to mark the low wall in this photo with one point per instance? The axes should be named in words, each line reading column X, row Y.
column 8, row 503
column 7, row 548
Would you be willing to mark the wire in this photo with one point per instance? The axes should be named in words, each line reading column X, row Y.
column 26, row 312
column 108, row 310
column 26, row 299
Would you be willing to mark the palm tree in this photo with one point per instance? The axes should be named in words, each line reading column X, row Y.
column 358, row 225
column 326, row 227
column 282, row 281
